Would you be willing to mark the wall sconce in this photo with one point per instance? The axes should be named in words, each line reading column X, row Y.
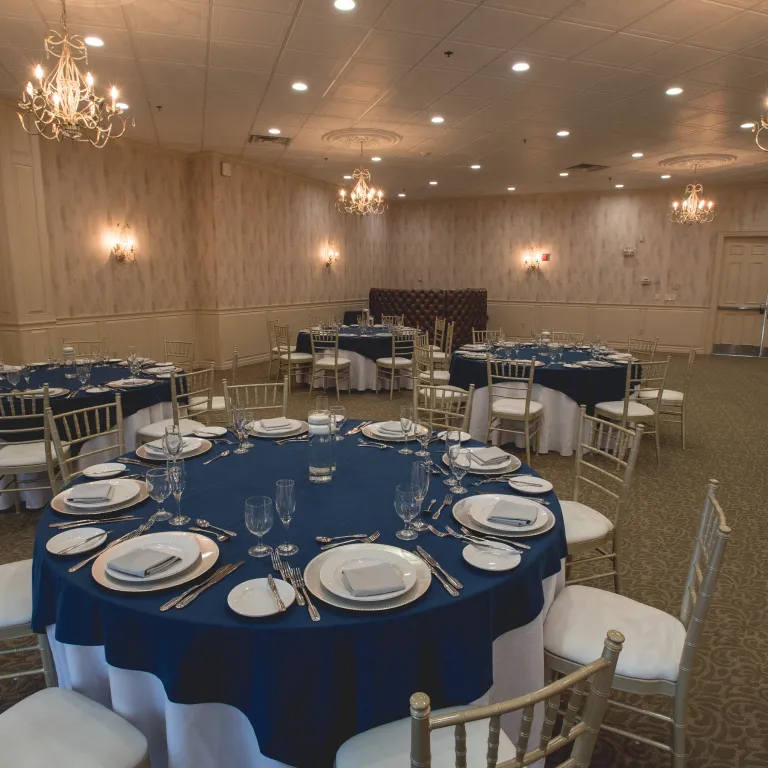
column 532, row 262
column 332, row 255
column 123, row 250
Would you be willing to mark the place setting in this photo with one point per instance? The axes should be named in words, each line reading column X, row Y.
column 157, row 450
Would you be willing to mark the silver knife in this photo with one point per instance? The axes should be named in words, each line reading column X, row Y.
column 91, row 521
column 80, row 543
column 189, row 598
column 452, row 591
column 167, row 606
column 431, row 560
column 275, row 593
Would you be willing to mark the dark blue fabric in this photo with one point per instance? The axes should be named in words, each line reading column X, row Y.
column 376, row 343
column 586, row 386
column 350, row 316
column 324, row 681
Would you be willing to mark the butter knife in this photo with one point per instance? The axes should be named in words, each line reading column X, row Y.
column 452, row 591
column 68, row 549
column 189, row 598
column 275, row 593
column 167, row 606
column 431, row 561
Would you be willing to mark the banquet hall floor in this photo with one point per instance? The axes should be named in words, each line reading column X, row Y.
column 727, row 430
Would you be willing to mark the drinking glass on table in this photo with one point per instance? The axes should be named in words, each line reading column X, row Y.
column 248, row 415
column 452, row 440
column 420, row 483
column 259, row 517
column 14, row 375
column 338, row 417
column 460, row 459
column 159, row 488
column 83, row 371
column 407, row 508
column 173, row 442
column 285, row 504
column 26, row 372
column 239, row 426
column 424, row 435
column 406, row 422
column 321, row 404
column 177, row 474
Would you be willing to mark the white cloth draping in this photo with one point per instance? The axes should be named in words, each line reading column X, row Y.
column 362, row 375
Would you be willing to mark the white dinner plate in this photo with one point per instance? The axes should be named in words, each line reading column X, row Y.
column 491, row 559
column 331, row 579
column 52, row 392
column 114, row 360
column 68, row 538
column 130, row 383
column 163, row 370
column 209, row 554
column 473, row 355
column 185, row 548
column 475, row 347
column 99, row 471
column 210, row 432
column 464, row 436
column 38, row 365
column 296, row 428
column 481, row 507
column 97, row 390
column 373, row 433
column 315, row 586
column 254, row 599
column 475, row 468
column 461, row 515
column 58, row 502
column 123, row 491
column 203, row 446
column 530, row 484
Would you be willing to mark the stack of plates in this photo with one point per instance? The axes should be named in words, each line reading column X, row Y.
column 323, row 576
column 293, row 428
column 193, row 446
column 125, row 493
column 391, row 431
column 478, row 468
column 473, row 512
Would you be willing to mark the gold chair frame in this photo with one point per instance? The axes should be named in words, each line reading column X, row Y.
column 483, row 337
column 256, row 397
column 443, row 407
column 324, row 342
column 568, row 337
column 290, row 366
column 396, row 320
column 88, row 348
column 403, row 343
column 642, row 349
column 182, row 353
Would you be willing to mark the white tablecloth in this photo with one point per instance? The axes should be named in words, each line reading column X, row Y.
column 362, row 375
column 220, row 736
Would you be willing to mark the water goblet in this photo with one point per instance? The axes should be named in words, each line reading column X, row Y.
column 420, row 483
column 452, row 440
column 83, row 371
column 239, row 426
column 321, row 404
column 248, row 415
column 285, row 504
column 159, row 488
column 338, row 417
column 460, row 460
column 424, row 435
column 14, row 375
column 177, row 474
column 173, row 442
column 26, row 372
column 407, row 508
column 259, row 517
column 406, row 422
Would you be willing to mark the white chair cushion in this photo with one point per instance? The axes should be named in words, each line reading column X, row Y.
column 282, row 349
column 582, row 523
column 25, row 455
column 15, row 594
column 668, row 396
column 298, row 357
column 399, row 362
column 157, row 429
column 389, row 746
column 56, row 727
column 580, row 616
column 328, row 362
column 439, row 355
column 511, row 407
column 435, row 347
column 199, row 403
column 615, row 409
column 440, row 377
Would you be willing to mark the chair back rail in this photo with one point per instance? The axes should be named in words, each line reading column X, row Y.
column 193, row 387
column 272, row 396
column 483, row 337
column 88, row 348
column 443, row 407
column 642, row 349
column 181, row 352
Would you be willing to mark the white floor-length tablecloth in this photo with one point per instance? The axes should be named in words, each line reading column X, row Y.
column 220, row 736
column 362, row 375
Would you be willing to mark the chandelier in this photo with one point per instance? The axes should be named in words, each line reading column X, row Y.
column 693, row 209
column 761, row 125
column 363, row 199
column 63, row 104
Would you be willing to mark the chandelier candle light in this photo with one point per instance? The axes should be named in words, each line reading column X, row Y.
column 363, row 199
column 63, row 103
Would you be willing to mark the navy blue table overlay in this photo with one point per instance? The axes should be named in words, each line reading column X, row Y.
column 375, row 343
column 305, row 687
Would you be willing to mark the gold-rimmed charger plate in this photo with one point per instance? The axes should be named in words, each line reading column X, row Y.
column 205, row 446
column 58, row 502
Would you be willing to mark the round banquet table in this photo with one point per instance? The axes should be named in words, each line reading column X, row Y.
column 362, row 350
column 140, row 407
column 213, row 690
column 559, row 389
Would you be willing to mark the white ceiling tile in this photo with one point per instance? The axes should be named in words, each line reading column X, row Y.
column 589, row 101
column 366, row 12
column 249, row 26
column 288, row 122
column 26, row 10
column 300, row 62
column 373, row 72
column 735, row 33
column 184, row 50
column 681, row 19
column 397, row 46
column 182, row 17
column 456, row 104
column 174, row 74
column 464, row 57
column 541, row 67
column 729, row 69
column 363, row 92
column 332, row 39
column 727, row 100
column 385, row 113
column 609, row 13
column 548, row 8
column 487, row 87
column 678, row 59
column 710, row 120
column 496, row 27
column 428, row 17
column 79, row 16
column 433, row 82
column 22, row 33
column 562, row 38
column 241, row 56
column 623, row 50
column 111, row 69
column 237, row 80
column 628, row 82
column 175, row 99
column 287, row 7
column 407, row 98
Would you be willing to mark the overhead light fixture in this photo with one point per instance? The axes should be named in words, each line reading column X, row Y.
column 665, row 176
column 94, row 42
column 344, row 5
column 510, row 189
column 274, row 131
column 564, row 173
column 475, row 167
column 747, row 125
column 637, row 154
column 758, row 128
column 437, row 119
column 433, row 183
column 376, row 159
column 363, row 199
column 299, row 86
column 619, row 186
column 563, row 133
column 63, row 104
column 347, row 177
column 401, row 194
column 674, row 91
column 693, row 208
column 521, row 66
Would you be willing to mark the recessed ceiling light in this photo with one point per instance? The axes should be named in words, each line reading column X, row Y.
column 666, row 176
column 94, row 42
column 510, row 189
column 347, row 177
column 433, row 183
column 674, row 91
column 274, row 131
column 437, row 119
column 637, row 154
column 747, row 125
column 376, row 159
column 475, row 167
column 619, row 186
column 122, row 105
column 521, row 66
column 300, row 86
column 401, row 194
column 344, row 5
column 564, row 173
column 563, row 133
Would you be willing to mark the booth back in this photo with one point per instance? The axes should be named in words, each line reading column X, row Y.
column 468, row 308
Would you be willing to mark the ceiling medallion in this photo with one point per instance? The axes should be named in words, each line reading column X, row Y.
column 372, row 138
column 693, row 209
column 363, row 199
column 63, row 104
column 708, row 160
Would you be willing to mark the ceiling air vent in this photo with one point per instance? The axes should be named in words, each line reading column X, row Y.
column 277, row 141
column 587, row 167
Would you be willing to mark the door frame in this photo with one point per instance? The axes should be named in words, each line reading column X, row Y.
column 717, row 276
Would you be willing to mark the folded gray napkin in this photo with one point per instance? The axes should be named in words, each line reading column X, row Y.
column 142, row 562
column 513, row 513
column 91, row 493
column 279, row 423
column 393, row 427
column 156, row 446
column 368, row 580
column 489, row 457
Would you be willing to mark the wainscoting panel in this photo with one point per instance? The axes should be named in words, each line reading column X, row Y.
column 676, row 327
column 515, row 319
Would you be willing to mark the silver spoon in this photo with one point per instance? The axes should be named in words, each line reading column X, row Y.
column 218, row 536
column 205, row 524
column 220, row 456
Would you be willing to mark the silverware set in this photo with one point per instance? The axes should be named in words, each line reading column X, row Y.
column 300, row 439
column 480, row 542
column 285, row 572
column 91, row 521
column 447, row 501
column 366, row 540
column 68, row 549
column 215, row 534
column 358, row 428
column 454, row 582
column 438, row 574
column 186, row 597
column 488, row 537
column 371, row 444
column 275, row 593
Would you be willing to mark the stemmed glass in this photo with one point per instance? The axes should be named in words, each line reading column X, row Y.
column 14, row 375
column 452, row 440
column 338, row 417
column 159, row 488
column 420, row 483
column 407, row 508
column 26, row 372
column 285, row 503
column 406, row 422
column 424, row 435
column 259, row 517
column 83, row 371
column 173, row 442
column 247, row 421
column 240, row 420
column 459, row 458
column 177, row 475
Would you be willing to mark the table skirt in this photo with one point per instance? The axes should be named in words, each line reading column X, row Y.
column 217, row 735
column 362, row 375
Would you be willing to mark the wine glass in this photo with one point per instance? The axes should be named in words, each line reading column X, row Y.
column 452, row 440
column 26, row 372
column 159, row 488
column 14, row 375
column 83, row 371
column 259, row 517
column 173, row 442
column 239, row 422
column 460, row 459
column 338, row 417
column 407, row 508
column 424, row 435
column 247, row 421
column 406, row 422
column 285, row 504
column 177, row 475
column 420, row 483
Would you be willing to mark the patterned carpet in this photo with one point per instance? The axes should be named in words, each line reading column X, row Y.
column 728, row 414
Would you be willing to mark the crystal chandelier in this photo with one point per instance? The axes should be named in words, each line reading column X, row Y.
column 693, row 209
column 761, row 125
column 63, row 104
column 363, row 199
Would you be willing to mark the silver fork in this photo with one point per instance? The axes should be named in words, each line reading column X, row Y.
column 285, row 571
column 366, row 540
column 299, row 576
column 447, row 501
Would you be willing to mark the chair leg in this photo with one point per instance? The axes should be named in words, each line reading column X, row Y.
column 527, row 444
column 269, row 372
column 682, row 428
column 17, row 494
column 338, row 383
column 658, row 445
column 391, row 383
column 678, row 730
column 49, row 668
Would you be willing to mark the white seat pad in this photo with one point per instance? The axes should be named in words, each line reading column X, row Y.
column 515, row 406
column 298, row 357
column 56, row 727
column 582, row 523
column 440, row 377
column 579, row 618
column 197, row 404
column 399, row 362
column 389, row 746
column 328, row 362
column 282, row 349
column 25, row 455
column 439, row 355
column 615, row 408
column 668, row 395
column 15, row 594
column 157, row 429
column 435, row 347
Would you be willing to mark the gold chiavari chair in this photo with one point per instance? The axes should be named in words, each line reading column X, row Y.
column 442, row 358
column 181, row 353
column 218, row 411
column 96, row 348
column 319, row 321
column 71, row 431
column 641, row 378
column 25, row 443
column 426, row 371
column 401, row 362
column 510, row 386
column 439, row 337
column 642, row 349
column 265, row 400
column 292, row 363
column 475, row 744
column 274, row 348
column 484, row 337
column 443, row 407
column 660, row 659
column 606, row 455
column 396, row 320
column 568, row 337
column 326, row 360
